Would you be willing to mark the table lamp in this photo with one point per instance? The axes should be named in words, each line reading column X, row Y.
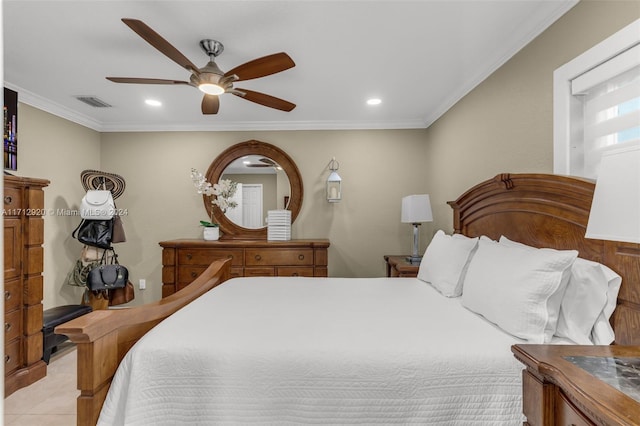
column 615, row 209
column 416, row 209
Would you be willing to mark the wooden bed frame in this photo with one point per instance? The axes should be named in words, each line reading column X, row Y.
column 103, row 337
column 536, row 209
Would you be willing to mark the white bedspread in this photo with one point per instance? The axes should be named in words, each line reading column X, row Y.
column 316, row 350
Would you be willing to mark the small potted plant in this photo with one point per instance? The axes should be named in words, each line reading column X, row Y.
column 220, row 195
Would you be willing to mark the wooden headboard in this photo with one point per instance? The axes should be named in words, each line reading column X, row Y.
column 544, row 210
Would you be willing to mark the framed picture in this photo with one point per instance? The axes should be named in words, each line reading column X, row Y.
column 10, row 129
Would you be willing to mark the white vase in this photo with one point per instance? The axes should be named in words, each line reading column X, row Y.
column 211, row 233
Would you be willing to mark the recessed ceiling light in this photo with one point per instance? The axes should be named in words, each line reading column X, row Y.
column 153, row 102
column 374, row 101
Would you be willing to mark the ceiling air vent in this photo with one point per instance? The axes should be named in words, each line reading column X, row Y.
column 93, row 101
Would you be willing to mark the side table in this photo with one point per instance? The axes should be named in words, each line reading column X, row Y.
column 580, row 385
column 398, row 266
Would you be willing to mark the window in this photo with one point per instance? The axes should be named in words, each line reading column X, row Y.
column 597, row 103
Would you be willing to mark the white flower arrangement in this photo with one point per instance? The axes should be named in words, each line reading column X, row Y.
column 219, row 193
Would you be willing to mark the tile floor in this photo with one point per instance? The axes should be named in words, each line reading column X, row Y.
column 50, row 401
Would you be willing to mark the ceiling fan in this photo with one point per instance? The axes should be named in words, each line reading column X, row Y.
column 210, row 79
column 263, row 162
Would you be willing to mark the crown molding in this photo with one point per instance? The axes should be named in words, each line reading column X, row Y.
column 58, row 110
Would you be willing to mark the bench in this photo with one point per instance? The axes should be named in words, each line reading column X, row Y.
column 54, row 317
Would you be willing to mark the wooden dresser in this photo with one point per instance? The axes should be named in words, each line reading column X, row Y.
column 183, row 260
column 23, row 213
column 580, row 385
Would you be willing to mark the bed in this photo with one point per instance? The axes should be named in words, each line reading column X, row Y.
column 340, row 351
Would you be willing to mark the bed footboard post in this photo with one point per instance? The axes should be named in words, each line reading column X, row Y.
column 97, row 363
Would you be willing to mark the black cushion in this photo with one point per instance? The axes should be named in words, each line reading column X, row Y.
column 61, row 314
column 54, row 317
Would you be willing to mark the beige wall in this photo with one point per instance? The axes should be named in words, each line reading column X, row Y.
column 506, row 123
column 378, row 168
column 58, row 150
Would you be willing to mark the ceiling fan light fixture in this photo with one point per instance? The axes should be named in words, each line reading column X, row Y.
column 211, row 89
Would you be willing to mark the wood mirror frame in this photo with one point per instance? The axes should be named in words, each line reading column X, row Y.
column 231, row 230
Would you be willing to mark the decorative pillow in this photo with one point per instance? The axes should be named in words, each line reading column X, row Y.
column 590, row 299
column 517, row 288
column 444, row 261
column 583, row 301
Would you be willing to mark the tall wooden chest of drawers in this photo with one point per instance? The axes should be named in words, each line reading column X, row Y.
column 183, row 260
column 23, row 213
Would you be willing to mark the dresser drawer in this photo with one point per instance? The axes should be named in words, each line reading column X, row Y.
column 12, row 326
column 186, row 274
column 206, row 256
column 12, row 201
column 11, row 357
column 259, row 272
column 12, row 295
column 293, row 257
column 294, row 271
column 568, row 414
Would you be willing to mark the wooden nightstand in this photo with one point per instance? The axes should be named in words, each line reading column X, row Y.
column 580, row 385
column 398, row 266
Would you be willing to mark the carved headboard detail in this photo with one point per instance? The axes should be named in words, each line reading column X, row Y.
column 544, row 210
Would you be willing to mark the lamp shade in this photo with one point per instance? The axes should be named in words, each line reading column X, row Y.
column 416, row 209
column 615, row 209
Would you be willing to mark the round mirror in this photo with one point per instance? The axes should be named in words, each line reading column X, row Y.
column 261, row 177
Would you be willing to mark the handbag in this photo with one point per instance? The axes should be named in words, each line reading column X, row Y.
column 118, row 235
column 97, row 204
column 79, row 272
column 107, row 276
column 97, row 233
column 122, row 295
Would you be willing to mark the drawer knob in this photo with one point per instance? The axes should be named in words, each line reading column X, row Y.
column 8, row 199
column 189, row 256
column 7, row 295
column 7, row 326
column 194, row 275
column 230, row 256
column 258, row 257
column 295, row 274
column 301, row 257
column 7, row 359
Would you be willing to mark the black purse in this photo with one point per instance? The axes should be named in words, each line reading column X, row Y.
column 96, row 233
column 107, row 276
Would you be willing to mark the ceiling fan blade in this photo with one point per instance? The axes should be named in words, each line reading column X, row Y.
column 261, row 67
column 263, row 99
column 145, row 80
column 210, row 104
column 156, row 40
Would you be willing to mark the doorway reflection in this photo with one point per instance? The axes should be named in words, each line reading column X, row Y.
column 262, row 186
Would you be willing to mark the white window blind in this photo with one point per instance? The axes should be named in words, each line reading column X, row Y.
column 610, row 96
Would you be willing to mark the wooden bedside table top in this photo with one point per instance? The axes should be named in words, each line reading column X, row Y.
column 601, row 382
column 398, row 266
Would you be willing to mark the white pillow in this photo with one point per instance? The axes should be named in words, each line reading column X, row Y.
column 602, row 333
column 586, row 301
column 444, row 262
column 517, row 288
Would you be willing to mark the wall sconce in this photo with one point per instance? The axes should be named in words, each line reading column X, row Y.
column 334, row 183
column 416, row 209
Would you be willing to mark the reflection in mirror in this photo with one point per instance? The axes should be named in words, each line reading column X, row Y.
column 288, row 183
column 262, row 185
